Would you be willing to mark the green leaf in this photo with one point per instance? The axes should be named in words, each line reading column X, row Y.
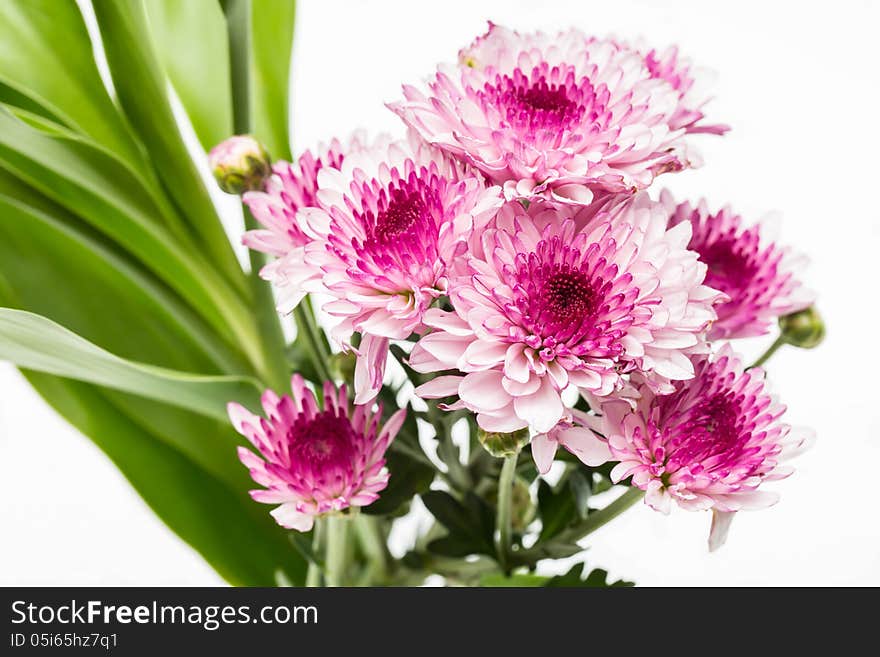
column 36, row 343
column 25, row 226
column 46, row 56
column 191, row 42
column 580, row 483
column 75, row 280
column 91, row 184
column 597, row 578
column 516, row 580
column 14, row 98
column 557, row 509
column 409, row 477
column 455, row 546
column 235, row 535
column 271, row 44
column 140, row 85
column 471, row 525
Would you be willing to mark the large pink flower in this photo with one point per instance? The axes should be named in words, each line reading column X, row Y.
column 708, row 445
column 758, row 276
column 386, row 226
column 291, row 187
column 312, row 461
column 552, row 296
column 558, row 115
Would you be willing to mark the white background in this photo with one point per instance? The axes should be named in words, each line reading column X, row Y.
column 799, row 84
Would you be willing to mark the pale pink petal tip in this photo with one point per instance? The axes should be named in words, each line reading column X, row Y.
column 720, row 527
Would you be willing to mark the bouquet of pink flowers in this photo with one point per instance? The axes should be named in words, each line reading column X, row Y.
column 524, row 337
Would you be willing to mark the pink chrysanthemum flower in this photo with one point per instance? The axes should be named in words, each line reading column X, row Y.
column 385, row 228
column 759, row 277
column 558, row 115
column 291, row 187
column 547, row 300
column 690, row 83
column 314, row 461
column 708, row 445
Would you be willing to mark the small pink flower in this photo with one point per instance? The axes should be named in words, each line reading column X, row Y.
column 386, row 227
column 553, row 296
column 758, row 277
column 711, row 444
column 312, row 462
column 558, row 115
column 292, row 187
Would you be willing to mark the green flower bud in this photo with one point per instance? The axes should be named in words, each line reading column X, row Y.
column 240, row 164
column 501, row 445
column 803, row 329
column 341, row 366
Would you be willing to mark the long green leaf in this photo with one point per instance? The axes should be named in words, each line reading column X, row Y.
column 272, row 24
column 141, row 86
column 46, row 55
column 81, row 282
column 50, row 269
column 36, row 343
column 191, row 43
column 91, row 184
column 234, row 534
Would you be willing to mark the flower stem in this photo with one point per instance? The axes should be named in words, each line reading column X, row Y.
column 504, row 516
column 308, row 331
column 767, row 354
column 373, row 543
column 336, row 556
column 591, row 523
column 272, row 365
column 313, row 575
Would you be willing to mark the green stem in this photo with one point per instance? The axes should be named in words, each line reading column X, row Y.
column 313, row 575
column 591, row 523
column 335, row 559
column 238, row 25
column 268, row 323
column 308, row 331
column 599, row 518
column 373, row 543
column 505, row 508
column 767, row 354
column 272, row 364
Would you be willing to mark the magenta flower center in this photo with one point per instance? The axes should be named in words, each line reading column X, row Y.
column 711, row 429
column 729, row 269
column 548, row 100
column 564, row 302
column 401, row 222
column 567, row 296
column 405, row 208
column 714, row 435
column 324, row 442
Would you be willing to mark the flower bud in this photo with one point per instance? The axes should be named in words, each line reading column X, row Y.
column 341, row 366
column 501, row 445
column 239, row 164
column 804, row 328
